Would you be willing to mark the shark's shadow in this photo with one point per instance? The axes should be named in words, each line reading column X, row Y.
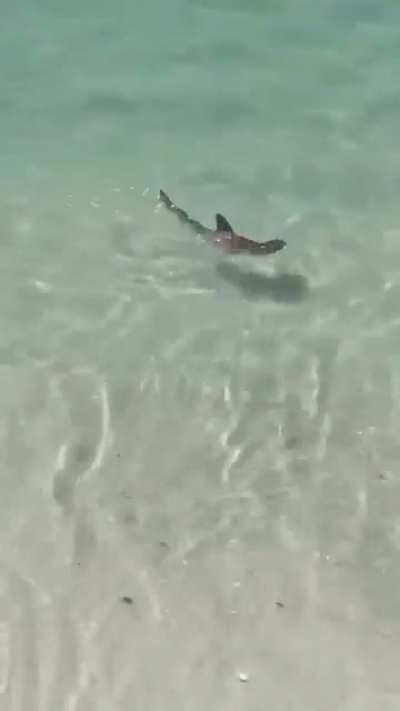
column 284, row 287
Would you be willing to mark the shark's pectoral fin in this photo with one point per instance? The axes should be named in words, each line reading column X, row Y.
column 223, row 224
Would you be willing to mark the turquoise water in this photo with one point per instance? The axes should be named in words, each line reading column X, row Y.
column 208, row 435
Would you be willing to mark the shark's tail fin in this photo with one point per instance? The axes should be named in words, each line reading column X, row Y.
column 163, row 197
column 181, row 214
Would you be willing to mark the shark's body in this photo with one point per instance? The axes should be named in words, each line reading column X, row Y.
column 224, row 235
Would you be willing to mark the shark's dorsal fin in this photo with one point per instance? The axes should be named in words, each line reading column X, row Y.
column 223, row 224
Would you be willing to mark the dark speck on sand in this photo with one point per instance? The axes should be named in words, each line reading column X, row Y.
column 127, row 600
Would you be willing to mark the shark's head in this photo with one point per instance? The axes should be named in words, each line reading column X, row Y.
column 273, row 245
column 239, row 243
column 243, row 244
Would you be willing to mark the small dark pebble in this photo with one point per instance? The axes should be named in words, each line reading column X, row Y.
column 164, row 544
column 279, row 604
column 292, row 442
column 127, row 600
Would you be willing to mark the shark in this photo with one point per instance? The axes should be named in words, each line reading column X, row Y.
column 223, row 236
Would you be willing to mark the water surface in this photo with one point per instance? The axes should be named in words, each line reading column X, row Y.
column 208, row 436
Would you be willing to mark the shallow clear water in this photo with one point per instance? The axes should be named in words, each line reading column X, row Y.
column 207, row 435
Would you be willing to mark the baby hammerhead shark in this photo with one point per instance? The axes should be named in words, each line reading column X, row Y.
column 224, row 235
